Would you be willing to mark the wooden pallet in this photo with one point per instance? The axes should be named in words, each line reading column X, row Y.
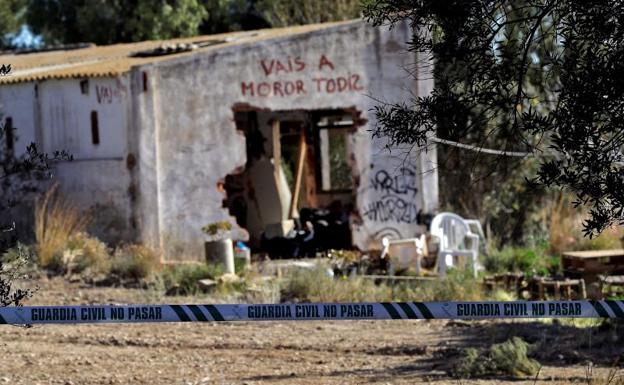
column 506, row 281
column 612, row 286
column 541, row 287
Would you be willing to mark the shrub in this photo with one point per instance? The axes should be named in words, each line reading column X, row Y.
column 318, row 285
column 217, row 230
column 89, row 254
column 56, row 220
column 19, row 254
column 185, row 277
column 459, row 285
column 134, row 262
column 11, row 269
column 507, row 358
column 519, row 259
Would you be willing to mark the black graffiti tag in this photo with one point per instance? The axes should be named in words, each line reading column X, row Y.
column 391, row 208
column 5, row 69
column 401, row 184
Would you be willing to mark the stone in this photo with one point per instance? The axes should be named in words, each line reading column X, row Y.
column 206, row 284
column 174, row 290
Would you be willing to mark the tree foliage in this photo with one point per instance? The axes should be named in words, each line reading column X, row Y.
column 113, row 21
column 18, row 176
column 117, row 21
column 10, row 13
column 540, row 76
column 282, row 13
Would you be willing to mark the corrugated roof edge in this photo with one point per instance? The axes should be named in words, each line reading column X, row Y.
column 121, row 63
column 262, row 39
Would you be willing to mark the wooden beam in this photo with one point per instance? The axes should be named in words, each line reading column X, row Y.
column 299, row 176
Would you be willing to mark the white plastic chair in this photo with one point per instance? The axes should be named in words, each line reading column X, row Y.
column 420, row 244
column 456, row 240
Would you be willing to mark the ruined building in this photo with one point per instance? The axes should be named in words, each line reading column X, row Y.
column 256, row 128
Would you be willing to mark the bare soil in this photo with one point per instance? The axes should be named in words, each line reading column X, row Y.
column 342, row 352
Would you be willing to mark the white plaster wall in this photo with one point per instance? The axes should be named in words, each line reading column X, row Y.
column 18, row 102
column 66, row 117
column 97, row 178
column 196, row 143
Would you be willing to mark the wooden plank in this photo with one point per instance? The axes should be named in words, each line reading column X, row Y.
column 300, row 163
column 399, row 278
column 593, row 254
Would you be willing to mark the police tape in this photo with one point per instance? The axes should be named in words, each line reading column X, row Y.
column 310, row 311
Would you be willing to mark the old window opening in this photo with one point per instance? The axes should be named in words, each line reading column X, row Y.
column 295, row 194
column 334, row 148
column 291, row 145
column 95, row 129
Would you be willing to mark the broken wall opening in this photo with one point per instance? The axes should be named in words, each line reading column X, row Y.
column 296, row 193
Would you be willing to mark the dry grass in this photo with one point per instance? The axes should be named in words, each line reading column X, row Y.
column 135, row 262
column 90, row 255
column 565, row 225
column 613, row 377
column 56, row 220
column 566, row 230
column 318, row 286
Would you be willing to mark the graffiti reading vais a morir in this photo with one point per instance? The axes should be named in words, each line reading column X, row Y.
column 332, row 81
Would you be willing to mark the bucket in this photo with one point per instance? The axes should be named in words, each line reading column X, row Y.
column 221, row 252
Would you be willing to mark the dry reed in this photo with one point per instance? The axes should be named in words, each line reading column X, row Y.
column 56, row 220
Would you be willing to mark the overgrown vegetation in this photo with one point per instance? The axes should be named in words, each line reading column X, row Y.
column 64, row 247
column 184, row 279
column 11, row 267
column 507, row 358
column 531, row 261
column 89, row 255
column 523, row 77
column 56, row 221
column 318, row 286
column 135, row 262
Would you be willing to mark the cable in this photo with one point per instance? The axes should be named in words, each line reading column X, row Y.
column 480, row 149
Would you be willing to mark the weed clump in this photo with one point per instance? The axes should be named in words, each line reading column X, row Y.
column 56, row 220
column 135, row 262
column 185, row 278
column 507, row 358
column 518, row 259
column 89, row 255
column 458, row 285
column 319, row 285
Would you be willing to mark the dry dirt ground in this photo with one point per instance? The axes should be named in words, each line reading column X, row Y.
column 343, row 352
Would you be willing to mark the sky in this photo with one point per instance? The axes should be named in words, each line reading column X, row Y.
column 25, row 38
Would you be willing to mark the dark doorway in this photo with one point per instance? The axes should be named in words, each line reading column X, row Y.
column 296, row 193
